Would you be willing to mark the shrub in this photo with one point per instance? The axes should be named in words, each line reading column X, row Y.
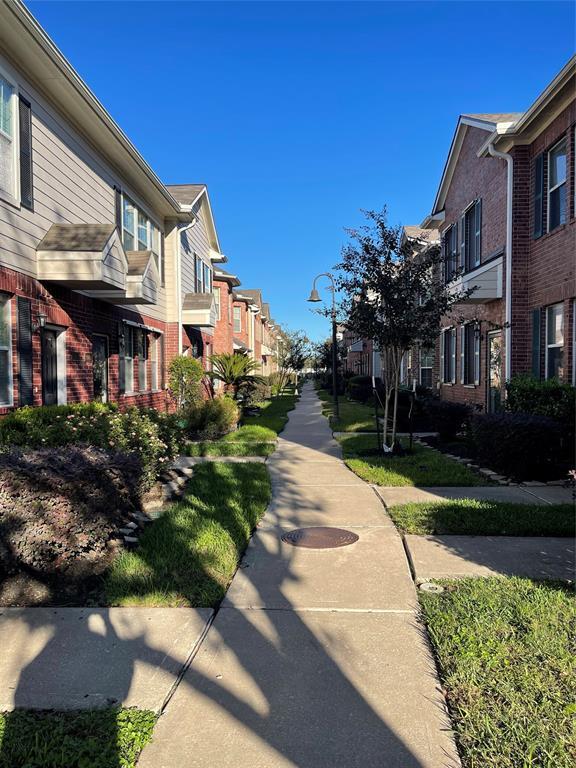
column 185, row 376
column 359, row 388
column 542, row 398
column 143, row 432
column 519, row 445
column 255, row 391
column 59, row 507
column 446, row 418
column 214, row 418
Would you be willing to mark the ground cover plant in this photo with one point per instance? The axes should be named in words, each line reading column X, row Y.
column 505, row 652
column 484, row 518
column 423, row 466
column 273, row 413
column 102, row 738
column 188, row 556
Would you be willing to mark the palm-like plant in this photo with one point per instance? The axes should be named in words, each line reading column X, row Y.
column 233, row 370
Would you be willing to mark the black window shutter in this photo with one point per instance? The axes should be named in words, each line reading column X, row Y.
column 536, row 367
column 121, row 358
column 25, row 351
column 539, row 196
column 26, row 187
column 118, row 209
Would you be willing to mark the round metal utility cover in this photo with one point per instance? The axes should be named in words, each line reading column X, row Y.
column 320, row 537
column 428, row 586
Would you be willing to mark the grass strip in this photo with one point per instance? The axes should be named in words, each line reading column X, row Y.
column 476, row 517
column 188, row 556
column 229, row 448
column 273, row 413
column 354, row 416
column 422, row 467
column 505, row 650
column 100, row 738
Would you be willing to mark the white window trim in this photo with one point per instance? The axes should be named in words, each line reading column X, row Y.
column 149, row 224
column 129, row 362
column 548, row 346
column 550, row 189
column 7, row 310
column 216, row 292
column 237, row 315
column 13, row 198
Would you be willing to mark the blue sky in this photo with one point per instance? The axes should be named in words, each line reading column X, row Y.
column 297, row 115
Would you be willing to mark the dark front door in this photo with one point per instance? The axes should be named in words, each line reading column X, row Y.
column 100, row 367
column 49, row 367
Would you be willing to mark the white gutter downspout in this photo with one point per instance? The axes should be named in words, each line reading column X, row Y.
column 508, row 315
column 180, row 231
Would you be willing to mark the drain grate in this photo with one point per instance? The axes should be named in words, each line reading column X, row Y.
column 320, row 537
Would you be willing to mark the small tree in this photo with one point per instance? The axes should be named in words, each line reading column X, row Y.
column 293, row 351
column 185, row 376
column 233, row 370
column 394, row 297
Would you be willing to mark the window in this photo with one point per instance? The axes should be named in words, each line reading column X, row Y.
column 8, row 138
column 5, row 351
column 142, row 359
column 154, row 357
column 557, row 186
column 199, row 275
column 217, row 302
column 554, row 341
column 470, row 236
column 448, row 355
column 470, row 354
column 237, row 320
column 450, row 252
column 129, row 359
column 426, row 365
column 139, row 233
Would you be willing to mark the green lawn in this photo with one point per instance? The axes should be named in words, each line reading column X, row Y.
column 505, row 650
column 484, row 518
column 273, row 414
column 188, row 556
column 229, row 448
column 423, row 467
column 354, row 416
column 103, row 738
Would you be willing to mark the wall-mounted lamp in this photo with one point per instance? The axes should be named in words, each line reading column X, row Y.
column 40, row 322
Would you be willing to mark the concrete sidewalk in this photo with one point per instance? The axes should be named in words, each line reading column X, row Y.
column 316, row 658
column 516, row 494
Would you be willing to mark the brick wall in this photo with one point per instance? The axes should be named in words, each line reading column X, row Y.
column 223, row 332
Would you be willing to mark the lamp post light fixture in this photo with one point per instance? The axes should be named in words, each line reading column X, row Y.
column 314, row 298
column 40, row 322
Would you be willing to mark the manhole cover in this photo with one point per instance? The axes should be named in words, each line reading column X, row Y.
column 320, row 537
column 428, row 586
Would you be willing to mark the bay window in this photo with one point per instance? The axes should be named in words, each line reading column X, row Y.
column 554, row 341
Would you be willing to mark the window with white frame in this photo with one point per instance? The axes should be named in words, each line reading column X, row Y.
column 217, row 302
column 8, row 138
column 557, row 185
column 554, row 341
column 139, row 233
column 207, row 279
column 6, row 396
column 237, row 320
column 142, row 359
column 448, row 355
column 471, row 236
column 426, row 366
column 129, row 354
column 154, row 357
column 470, row 354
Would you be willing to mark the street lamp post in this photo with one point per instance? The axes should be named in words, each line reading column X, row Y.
column 315, row 297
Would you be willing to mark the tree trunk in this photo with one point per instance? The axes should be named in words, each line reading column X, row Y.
column 395, row 413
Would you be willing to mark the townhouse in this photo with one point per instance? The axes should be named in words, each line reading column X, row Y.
column 505, row 210
column 105, row 272
column 262, row 332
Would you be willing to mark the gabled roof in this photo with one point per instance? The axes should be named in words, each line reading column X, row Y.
column 190, row 195
column 255, row 294
column 138, row 261
column 490, row 122
column 266, row 311
column 227, row 277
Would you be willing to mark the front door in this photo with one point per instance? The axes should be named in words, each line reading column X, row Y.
column 49, row 367
column 100, row 367
column 494, row 371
